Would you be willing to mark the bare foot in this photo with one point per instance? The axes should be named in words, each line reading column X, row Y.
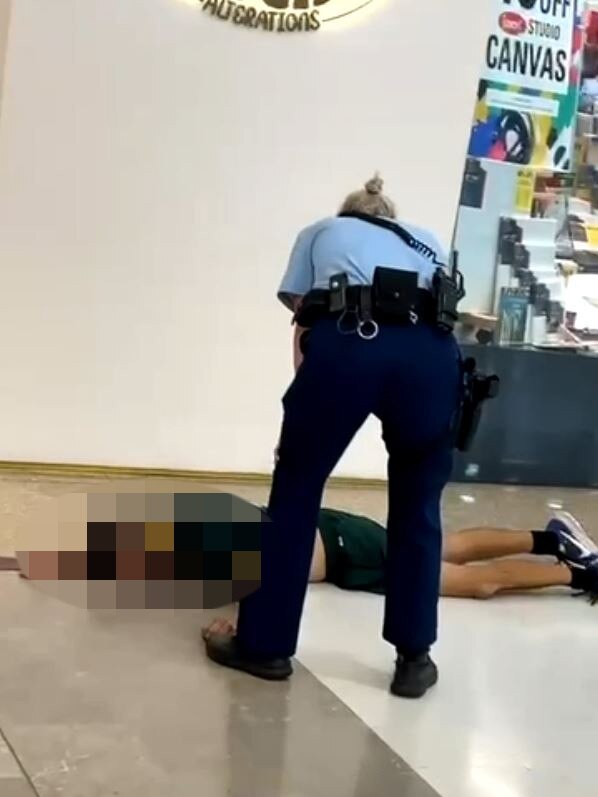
column 219, row 627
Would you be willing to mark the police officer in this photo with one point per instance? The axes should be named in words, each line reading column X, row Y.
column 363, row 285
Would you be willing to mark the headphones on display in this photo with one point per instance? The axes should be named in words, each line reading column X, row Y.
column 515, row 132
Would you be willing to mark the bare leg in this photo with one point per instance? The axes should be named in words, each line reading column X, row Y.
column 462, row 580
column 475, row 545
column 317, row 571
column 486, row 580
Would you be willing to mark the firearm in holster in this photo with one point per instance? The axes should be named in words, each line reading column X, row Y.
column 477, row 388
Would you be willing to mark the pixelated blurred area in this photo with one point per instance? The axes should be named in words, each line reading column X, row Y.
column 143, row 548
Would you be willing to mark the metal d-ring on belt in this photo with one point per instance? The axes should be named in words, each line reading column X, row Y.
column 365, row 325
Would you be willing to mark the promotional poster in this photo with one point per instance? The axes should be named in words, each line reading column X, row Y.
column 527, row 97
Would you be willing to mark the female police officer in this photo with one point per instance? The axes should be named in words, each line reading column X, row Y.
column 362, row 284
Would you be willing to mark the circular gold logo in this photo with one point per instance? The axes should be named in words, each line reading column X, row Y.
column 282, row 16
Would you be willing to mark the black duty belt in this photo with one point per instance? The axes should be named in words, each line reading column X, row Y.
column 393, row 299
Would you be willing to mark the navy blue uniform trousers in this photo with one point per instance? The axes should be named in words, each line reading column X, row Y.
column 409, row 377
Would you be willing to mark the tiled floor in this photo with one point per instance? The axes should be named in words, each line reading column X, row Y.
column 125, row 704
column 95, row 705
column 512, row 715
column 13, row 781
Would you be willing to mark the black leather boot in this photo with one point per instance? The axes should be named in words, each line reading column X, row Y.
column 224, row 650
column 414, row 675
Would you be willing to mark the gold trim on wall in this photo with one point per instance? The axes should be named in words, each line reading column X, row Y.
column 82, row 472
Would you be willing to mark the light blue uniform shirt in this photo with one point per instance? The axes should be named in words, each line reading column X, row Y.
column 356, row 248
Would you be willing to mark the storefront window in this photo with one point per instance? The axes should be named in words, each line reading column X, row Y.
column 527, row 227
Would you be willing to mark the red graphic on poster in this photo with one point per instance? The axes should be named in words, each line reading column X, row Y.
column 512, row 23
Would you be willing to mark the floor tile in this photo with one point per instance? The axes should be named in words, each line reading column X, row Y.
column 116, row 703
column 512, row 714
column 16, row 787
column 9, row 768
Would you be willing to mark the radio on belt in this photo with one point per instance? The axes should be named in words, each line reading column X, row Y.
column 448, row 290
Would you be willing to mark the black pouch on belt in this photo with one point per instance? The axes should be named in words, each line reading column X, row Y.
column 395, row 294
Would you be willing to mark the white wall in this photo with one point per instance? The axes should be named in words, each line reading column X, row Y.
column 155, row 165
column 5, row 7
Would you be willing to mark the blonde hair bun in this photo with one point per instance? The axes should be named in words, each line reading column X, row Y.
column 375, row 186
column 370, row 201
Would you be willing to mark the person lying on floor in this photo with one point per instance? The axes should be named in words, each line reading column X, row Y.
column 350, row 552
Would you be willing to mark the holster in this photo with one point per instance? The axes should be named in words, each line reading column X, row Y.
column 477, row 388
